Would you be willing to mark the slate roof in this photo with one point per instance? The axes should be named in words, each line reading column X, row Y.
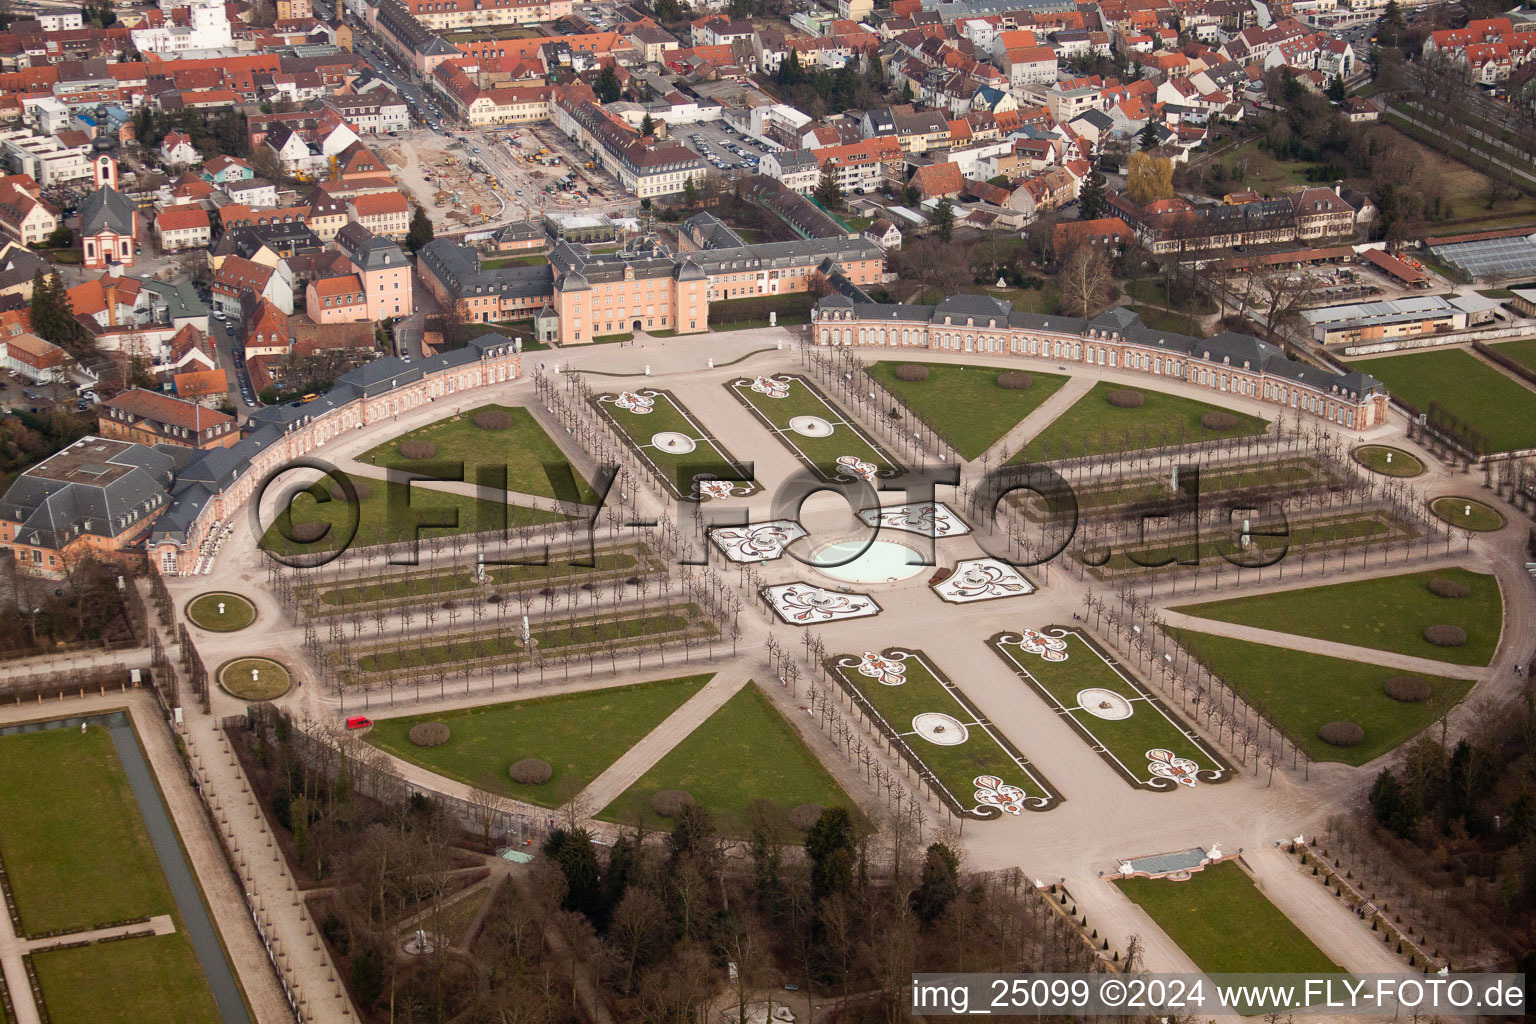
column 106, row 210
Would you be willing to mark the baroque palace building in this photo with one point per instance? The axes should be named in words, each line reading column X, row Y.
column 581, row 295
column 1227, row 364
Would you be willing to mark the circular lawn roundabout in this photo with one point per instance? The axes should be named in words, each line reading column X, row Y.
column 254, row 678
column 1467, row 513
column 1388, row 461
column 221, row 612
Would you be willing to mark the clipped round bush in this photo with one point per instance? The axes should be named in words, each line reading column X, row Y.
column 1126, row 398
column 669, row 803
column 1408, row 689
column 362, row 489
column 493, row 419
column 428, row 734
column 1218, row 421
column 307, row 533
column 1341, row 734
column 530, row 771
column 418, row 449
column 1441, row 587
column 805, row 816
column 911, row 372
column 1014, row 380
column 1445, row 636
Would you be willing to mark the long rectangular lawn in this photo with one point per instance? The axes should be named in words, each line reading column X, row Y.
column 1497, row 406
column 156, row 978
column 1388, row 613
column 378, row 523
column 76, row 850
column 579, row 734
column 821, row 452
column 743, row 752
column 1225, row 924
column 1301, row 692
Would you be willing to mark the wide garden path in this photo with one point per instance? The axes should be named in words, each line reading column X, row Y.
column 675, row 728
column 1042, row 416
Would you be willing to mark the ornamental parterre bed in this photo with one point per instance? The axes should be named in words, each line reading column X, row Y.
column 972, row 767
column 1124, row 723
column 814, row 429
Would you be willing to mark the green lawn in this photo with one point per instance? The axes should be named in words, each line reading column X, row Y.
column 204, row 611
column 488, row 643
column 1167, row 320
column 1374, row 458
column 75, row 848
column 1353, row 529
column 377, row 524
column 1454, row 509
column 1301, row 692
column 955, row 766
column 732, row 314
column 1498, row 407
column 271, row 680
column 678, row 468
column 1093, row 427
column 514, row 261
column 743, row 752
column 1124, row 742
column 1045, row 300
column 1386, row 614
column 1148, row 290
column 580, row 734
column 1225, row 924
column 605, row 563
column 1522, row 352
column 820, row 453
column 155, row 978
column 1253, row 477
column 524, row 448
column 965, row 403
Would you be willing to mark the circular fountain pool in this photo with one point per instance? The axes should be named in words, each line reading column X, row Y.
column 879, row 561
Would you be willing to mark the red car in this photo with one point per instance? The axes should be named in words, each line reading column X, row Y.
column 359, row 722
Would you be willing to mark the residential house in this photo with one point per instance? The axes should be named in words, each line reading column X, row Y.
column 382, row 269
column 177, row 151
column 383, row 213
column 24, row 214
column 178, row 228
column 336, row 300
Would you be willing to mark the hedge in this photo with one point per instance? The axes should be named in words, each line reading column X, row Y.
column 1126, row 398
column 911, row 372
column 1341, row 734
column 669, row 803
column 1218, row 421
column 493, row 419
column 1014, row 380
column 1448, row 588
column 1408, row 689
column 530, row 771
column 1445, row 636
column 428, row 734
column 418, row 449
